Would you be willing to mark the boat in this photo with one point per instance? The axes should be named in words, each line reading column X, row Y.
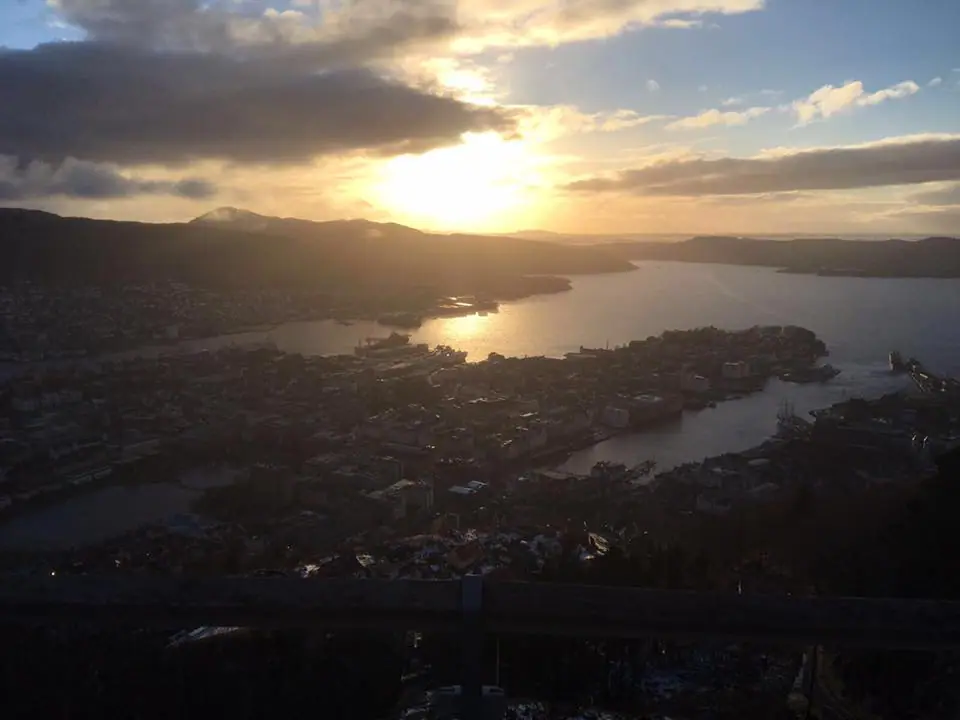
column 393, row 341
column 897, row 365
column 821, row 373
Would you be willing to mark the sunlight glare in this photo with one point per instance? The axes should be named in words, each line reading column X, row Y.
column 466, row 326
column 479, row 185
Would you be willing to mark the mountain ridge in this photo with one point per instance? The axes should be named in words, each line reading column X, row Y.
column 241, row 248
column 931, row 257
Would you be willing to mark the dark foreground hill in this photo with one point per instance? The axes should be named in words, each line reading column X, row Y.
column 931, row 257
column 247, row 252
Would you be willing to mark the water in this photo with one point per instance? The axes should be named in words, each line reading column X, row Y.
column 860, row 319
column 91, row 518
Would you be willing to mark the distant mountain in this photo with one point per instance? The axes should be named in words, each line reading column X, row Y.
column 535, row 234
column 592, row 238
column 237, row 247
column 236, row 219
column 233, row 217
column 929, row 257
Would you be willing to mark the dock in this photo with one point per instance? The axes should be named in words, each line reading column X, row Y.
column 929, row 382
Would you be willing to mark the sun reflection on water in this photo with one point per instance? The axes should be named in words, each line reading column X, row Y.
column 466, row 327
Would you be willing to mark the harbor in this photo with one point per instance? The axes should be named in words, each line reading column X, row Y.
column 149, row 420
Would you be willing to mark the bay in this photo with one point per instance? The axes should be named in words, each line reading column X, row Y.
column 860, row 320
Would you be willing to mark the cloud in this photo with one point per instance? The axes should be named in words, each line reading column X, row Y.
column 111, row 103
column 652, row 86
column 897, row 161
column 731, row 102
column 77, row 179
column 708, row 118
column 545, row 123
column 946, row 195
column 830, row 100
column 896, row 92
column 679, row 23
column 480, row 24
column 588, row 19
column 935, row 82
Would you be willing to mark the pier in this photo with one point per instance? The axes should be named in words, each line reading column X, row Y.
column 929, row 382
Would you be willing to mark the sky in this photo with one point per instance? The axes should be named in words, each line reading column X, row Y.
column 573, row 116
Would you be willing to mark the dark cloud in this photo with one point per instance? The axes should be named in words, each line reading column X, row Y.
column 244, row 30
column 172, row 81
column 109, row 103
column 89, row 181
column 149, row 23
column 195, row 189
column 883, row 164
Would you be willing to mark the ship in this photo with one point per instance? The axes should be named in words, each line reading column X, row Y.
column 393, row 341
column 897, row 365
column 789, row 424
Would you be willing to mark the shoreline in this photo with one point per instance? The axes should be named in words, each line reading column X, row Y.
column 324, row 316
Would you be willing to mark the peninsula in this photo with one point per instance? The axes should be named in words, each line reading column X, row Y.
column 76, row 286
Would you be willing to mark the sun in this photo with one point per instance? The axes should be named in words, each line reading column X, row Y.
column 485, row 183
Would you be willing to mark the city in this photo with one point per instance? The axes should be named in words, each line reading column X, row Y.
column 405, row 462
column 478, row 360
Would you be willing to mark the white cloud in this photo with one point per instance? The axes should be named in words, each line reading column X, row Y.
column 830, row 100
column 935, row 81
column 732, row 101
column 548, row 22
column 545, row 123
column 680, row 24
column 895, row 92
column 652, row 85
column 709, row 118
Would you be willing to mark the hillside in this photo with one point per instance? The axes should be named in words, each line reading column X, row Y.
column 930, row 257
column 236, row 248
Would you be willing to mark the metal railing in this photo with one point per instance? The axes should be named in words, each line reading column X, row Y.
column 475, row 607
column 496, row 607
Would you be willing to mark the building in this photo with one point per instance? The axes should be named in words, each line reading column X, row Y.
column 405, row 498
column 615, row 417
column 713, row 503
column 689, row 382
column 736, row 370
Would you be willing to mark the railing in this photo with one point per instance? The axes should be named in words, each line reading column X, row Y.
column 475, row 607
column 502, row 607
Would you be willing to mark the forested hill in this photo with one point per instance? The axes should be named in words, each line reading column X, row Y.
column 47, row 248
